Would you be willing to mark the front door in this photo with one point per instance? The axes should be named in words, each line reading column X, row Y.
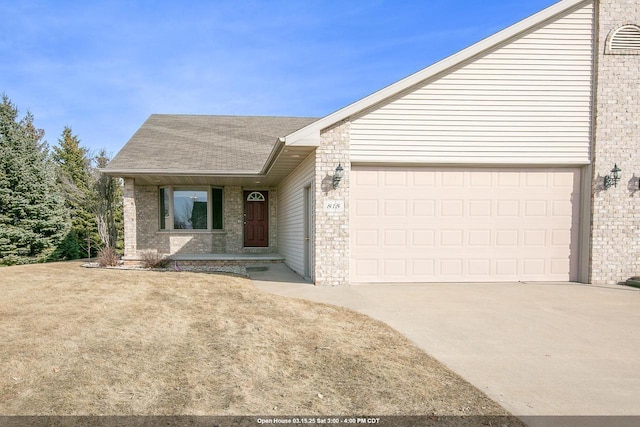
column 256, row 218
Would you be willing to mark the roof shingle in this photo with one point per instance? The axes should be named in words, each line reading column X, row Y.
column 211, row 144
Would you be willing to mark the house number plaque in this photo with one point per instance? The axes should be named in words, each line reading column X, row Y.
column 334, row 205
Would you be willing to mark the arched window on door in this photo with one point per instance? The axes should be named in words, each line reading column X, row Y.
column 255, row 196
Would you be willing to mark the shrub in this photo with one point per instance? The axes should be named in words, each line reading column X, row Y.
column 108, row 257
column 152, row 259
column 68, row 248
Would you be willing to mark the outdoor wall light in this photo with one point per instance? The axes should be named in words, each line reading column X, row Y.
column 337, row 177
column 612, row 179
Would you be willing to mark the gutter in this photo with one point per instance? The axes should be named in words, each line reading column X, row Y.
column 182, row 172
column 273, row 156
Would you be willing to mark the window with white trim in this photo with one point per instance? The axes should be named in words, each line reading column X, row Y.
column 190, row 208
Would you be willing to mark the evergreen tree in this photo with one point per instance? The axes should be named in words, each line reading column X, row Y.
column 33, row 219
column 69, row 247
column 74, row 178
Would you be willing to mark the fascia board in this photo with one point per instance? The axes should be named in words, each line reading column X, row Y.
column 309, row 136
column 273, row 156
column 301, row 137
column 156, row 172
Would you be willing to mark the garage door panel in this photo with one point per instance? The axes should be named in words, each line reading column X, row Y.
column 395, row 207
column 479, row 238
column 535, row 180
column 447, row 224
column 395, row 178
column 395, row 267
column 559, row 265
column 366, row 207
column 449, row 208
column 451, row 238
column 480, row 267
column 395, row 238
column 536, row 238
column 481, row 208
column 424, row 179
column 366, row 238
column 367, row 178
column 423, row 267
column 506, row 269
column 560, row 237
column 452, row 179
column 423, row 207
column 422, row 238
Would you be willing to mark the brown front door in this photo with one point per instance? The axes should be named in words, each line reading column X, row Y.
column 256, row 218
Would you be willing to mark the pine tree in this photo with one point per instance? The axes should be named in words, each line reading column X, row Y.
column 33, row 219
column 74, row 179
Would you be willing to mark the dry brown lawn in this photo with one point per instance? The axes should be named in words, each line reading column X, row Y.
column 78, row 341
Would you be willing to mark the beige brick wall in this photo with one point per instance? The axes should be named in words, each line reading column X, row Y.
column 615, row 254
column 233, row 211
column 129, row 212
column 331, row 244
column 142, row 221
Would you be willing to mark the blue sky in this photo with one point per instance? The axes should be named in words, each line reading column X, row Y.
column 102, row 67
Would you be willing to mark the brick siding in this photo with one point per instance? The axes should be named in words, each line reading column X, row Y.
column 615, row 246
column 142, row 233
column 331, row 244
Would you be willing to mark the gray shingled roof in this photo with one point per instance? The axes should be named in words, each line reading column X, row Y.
column 171, row 142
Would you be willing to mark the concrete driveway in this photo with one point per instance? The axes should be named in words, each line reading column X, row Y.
column 536, row 348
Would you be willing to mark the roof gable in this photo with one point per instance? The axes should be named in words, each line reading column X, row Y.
column 310, row 135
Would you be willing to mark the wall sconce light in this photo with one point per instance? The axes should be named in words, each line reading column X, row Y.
column 612, row 179
column 337, row 177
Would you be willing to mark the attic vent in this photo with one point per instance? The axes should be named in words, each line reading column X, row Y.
column 625, row 39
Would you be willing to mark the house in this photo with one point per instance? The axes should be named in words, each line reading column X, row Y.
column 516, row 159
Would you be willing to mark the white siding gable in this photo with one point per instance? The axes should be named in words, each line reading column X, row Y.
column 528, row 101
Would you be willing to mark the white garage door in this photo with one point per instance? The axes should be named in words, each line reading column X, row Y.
column 464, row 224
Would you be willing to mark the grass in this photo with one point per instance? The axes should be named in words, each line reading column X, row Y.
column 81, row 341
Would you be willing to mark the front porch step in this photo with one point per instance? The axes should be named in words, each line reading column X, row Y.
column 272, row 257
column 214, row 260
